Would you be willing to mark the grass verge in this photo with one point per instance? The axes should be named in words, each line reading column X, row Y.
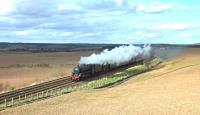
column 121, row 76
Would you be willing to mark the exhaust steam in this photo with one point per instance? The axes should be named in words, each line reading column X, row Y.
column 117, row 55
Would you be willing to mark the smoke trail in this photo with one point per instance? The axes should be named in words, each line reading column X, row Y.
column 117, row 55
column 168, row 52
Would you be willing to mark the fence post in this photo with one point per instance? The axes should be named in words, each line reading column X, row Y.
column 42, row 93
column 56, row 92
column 19, row 99
column 5, row 102
column 52, row 92
column 37, row 95
column 30, row 97
column 12, row 101
column 59, row 91
column 25, row 97
column 46, row 93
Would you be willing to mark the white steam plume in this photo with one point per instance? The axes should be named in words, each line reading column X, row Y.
column 117, row 55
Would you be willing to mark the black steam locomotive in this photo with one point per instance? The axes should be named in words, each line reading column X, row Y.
column 84, row 71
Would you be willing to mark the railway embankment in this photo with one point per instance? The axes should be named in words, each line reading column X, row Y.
column 107, row 81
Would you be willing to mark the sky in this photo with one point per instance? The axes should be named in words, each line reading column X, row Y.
column 100, row 21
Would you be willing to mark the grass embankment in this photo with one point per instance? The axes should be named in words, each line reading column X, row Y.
column 121, row 76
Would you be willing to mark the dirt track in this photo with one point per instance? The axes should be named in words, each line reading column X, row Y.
column 172, row 88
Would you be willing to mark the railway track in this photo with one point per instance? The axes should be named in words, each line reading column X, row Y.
column 34, row 89
column 46, row 86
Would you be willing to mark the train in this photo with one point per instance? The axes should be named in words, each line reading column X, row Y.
column 84, row 71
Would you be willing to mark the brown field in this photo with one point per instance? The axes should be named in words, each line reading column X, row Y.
column 170, row 89
column 21, row 69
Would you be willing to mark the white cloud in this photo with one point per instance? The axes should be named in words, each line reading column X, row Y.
column 6, row 6
column 151, row 35
column 185, row 35
column 173, row 26
column 153, row 8
column 34, row 8
column 21, row 33
column 66, row 34
column 138, row 33
column 119, row 2
column 89, row 34
column 69, row 7
column 146, row 34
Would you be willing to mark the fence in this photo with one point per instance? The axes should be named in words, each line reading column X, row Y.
column 28, row 98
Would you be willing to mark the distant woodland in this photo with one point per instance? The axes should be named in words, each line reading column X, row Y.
column 46, row 47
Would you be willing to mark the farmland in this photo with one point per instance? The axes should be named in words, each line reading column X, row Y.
column 18, row 69
column 172, row 88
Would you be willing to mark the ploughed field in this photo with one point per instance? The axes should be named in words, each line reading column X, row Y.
column 171, row 88
column 18, row 69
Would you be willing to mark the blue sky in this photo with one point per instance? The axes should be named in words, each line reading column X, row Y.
column 100, row 21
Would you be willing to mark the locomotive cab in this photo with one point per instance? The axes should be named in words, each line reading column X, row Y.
column 76, row 71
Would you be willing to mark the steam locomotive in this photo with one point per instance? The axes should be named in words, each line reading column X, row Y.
column 85, row 71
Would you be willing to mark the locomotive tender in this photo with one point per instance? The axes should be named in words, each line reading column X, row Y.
column 85, row 71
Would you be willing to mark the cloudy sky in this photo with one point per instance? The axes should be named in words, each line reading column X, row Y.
column 100, row 21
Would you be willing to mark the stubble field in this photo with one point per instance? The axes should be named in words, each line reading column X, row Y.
column 21, row 69
column 170, row 89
